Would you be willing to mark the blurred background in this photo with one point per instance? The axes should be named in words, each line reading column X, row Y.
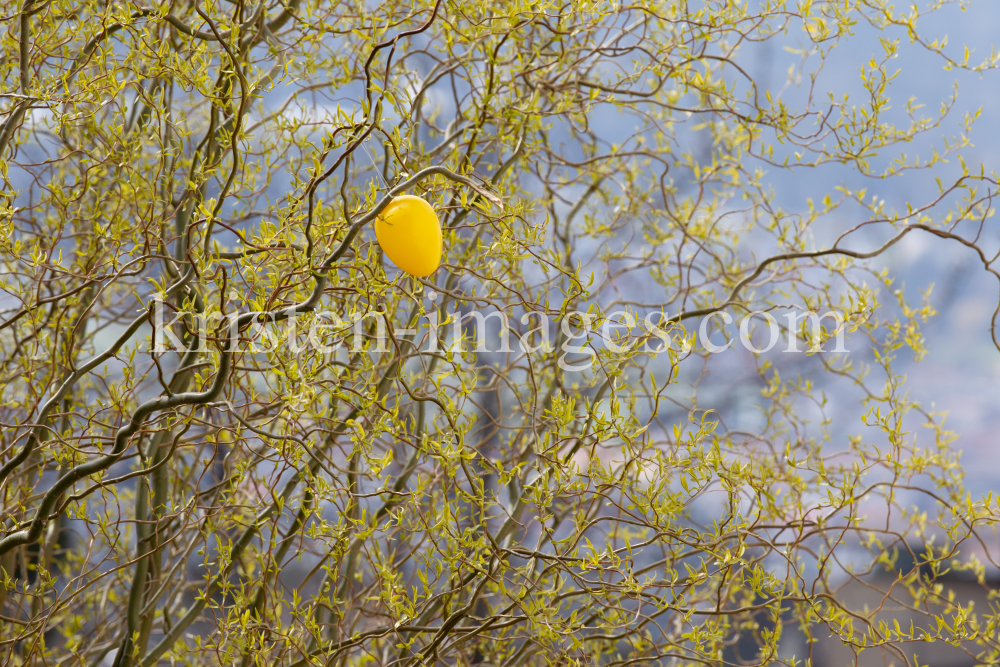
column 959, row 374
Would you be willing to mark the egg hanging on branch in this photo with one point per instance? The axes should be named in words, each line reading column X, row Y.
column 409, row 232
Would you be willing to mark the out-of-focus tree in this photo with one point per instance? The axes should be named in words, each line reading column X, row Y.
column 235, row 433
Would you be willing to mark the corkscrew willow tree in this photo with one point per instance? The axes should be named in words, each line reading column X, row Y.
column 233, row 433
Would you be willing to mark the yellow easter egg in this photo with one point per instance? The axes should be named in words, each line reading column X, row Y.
column 409, row 232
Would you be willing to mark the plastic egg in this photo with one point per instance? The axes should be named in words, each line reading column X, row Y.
column 409, row 232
